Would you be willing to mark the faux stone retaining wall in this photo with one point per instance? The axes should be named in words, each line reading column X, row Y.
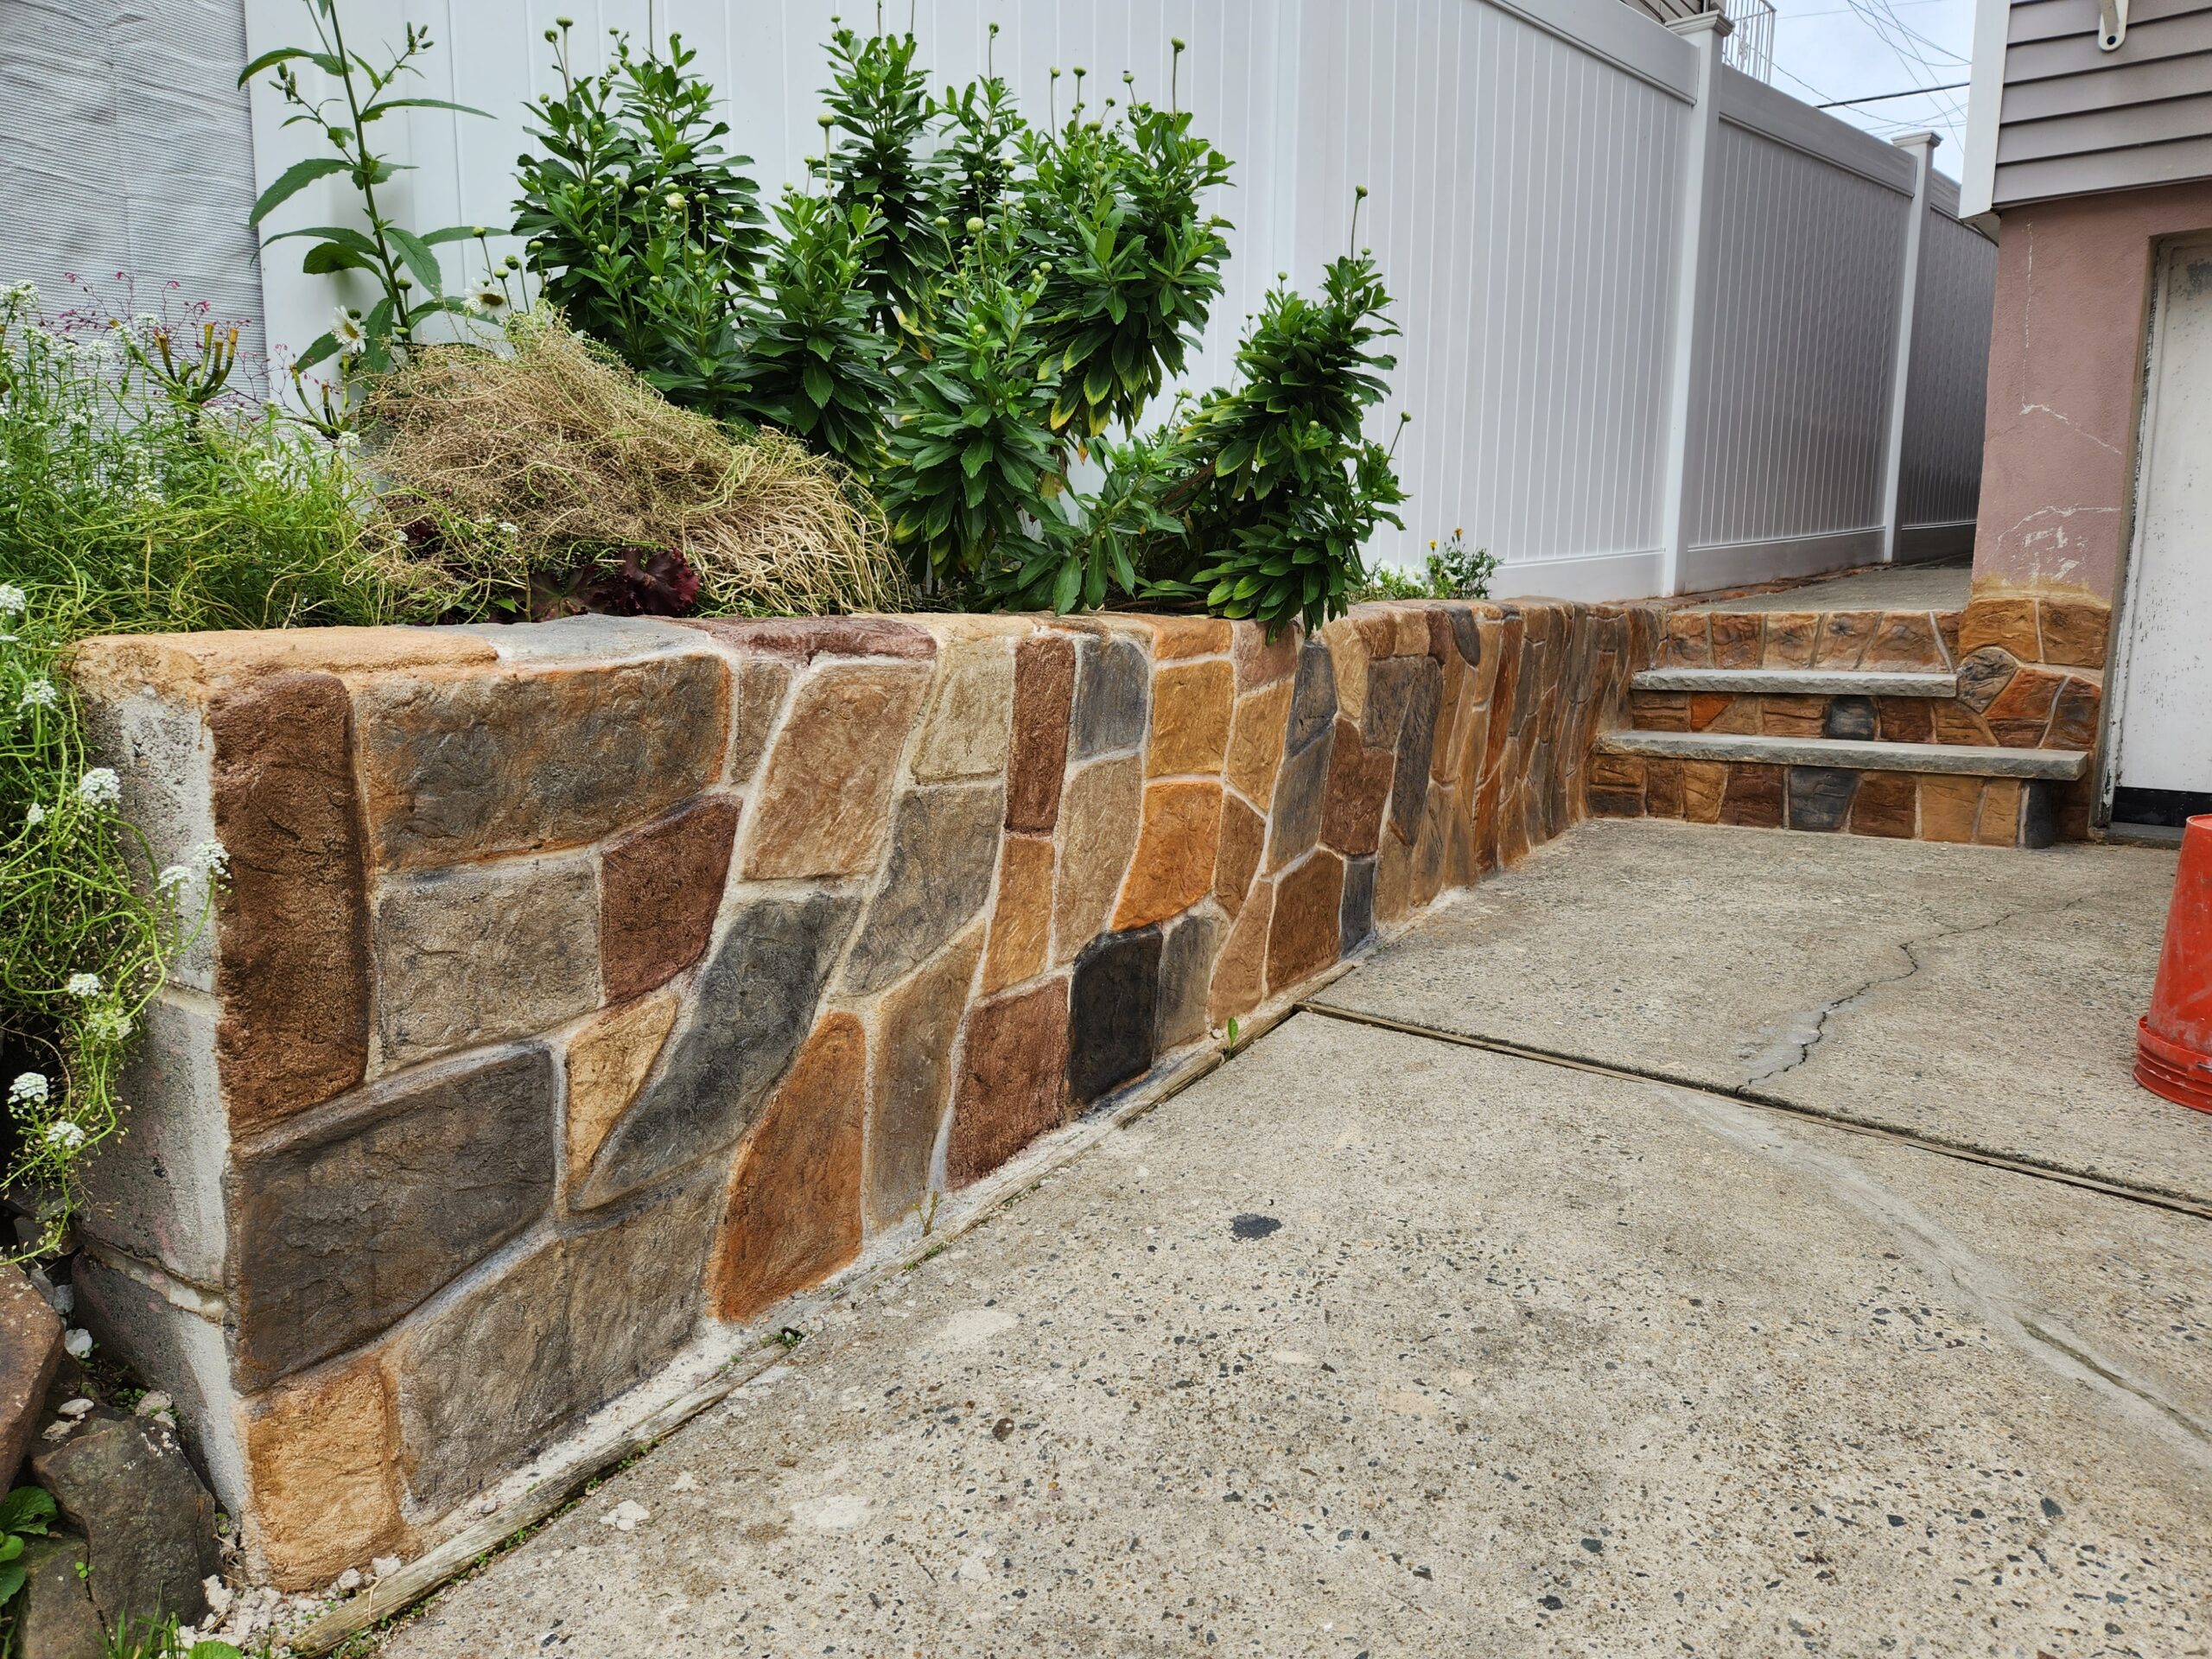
column 581, row 982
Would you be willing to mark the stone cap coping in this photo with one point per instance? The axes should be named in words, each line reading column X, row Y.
column 1967, row 758
column 1797, row 681
column 187, row 668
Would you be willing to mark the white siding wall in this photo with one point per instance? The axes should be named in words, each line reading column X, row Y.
column 1942, row 482
column 1526, row 160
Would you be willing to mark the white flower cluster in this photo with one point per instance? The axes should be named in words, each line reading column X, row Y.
column 108, row 1026
column 209, row 861
column 30, row 1088
column 83, row 985
column 14, row 601
column 39, row 694
column 34, row 815
column 64, row 1137
column 99, row 787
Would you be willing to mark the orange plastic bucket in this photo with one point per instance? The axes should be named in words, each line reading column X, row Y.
column 2173, row 1042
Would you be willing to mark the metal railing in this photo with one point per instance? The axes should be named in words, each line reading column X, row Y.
column 1749, row 45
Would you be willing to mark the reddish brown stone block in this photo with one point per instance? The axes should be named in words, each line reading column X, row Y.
column 1885, row 805
column 1044, row 696
column 321, row 1454
column 1260, row 661
column 1999, row 824
column 1738, row 639
column 659, row 889
column 1239, row 971
column 1663, row 788
column 2073, row 716
column 1947, row 630
column 803, row 639
column 2074, row 631
column 1905, row 720
column 1236, row 861
column 1707, row 707
column 1013, row 1080
column 1844, row 637
column 793, row 1217
column 1175, row 862
column 2010, row 623
column 1358, row 785
column 1704, row 785
column 292, row 962
column 1687, row 642
column 1608, row 770
column 823, row 803
column 1752, row 795
column 1022, row 922
column 1661, row 711
column 1255, row 743
column 1790, row 638
column 1947, row 807
column 1191, row 707
column 1174, row 638
column 1303, row 937
column 1906, row 640
column 2022, row 710
column 1788, row 716
column 1605, row 803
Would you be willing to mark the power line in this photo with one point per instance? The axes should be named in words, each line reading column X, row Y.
column 1877, row 97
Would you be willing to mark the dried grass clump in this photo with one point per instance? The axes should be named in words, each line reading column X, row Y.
column 558, row 439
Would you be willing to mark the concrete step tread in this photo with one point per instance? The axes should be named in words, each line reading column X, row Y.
column 1854, row 754
column 1797, row 681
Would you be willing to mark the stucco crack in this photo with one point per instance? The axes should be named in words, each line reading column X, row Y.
column 2070, row 424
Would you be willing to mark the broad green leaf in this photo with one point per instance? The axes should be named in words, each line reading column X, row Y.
column 294, row 179
column 419, row 259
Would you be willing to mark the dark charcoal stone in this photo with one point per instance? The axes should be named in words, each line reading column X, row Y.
column 753, row 1005
column 1983, row 674
column 1416, row 740
column 1849, row 717
column 1185, row 972
column 2039, row 812
column 1465, row 635
column 54, row 1614
column 340, row 1230
column 1112, row 1013
column 149, row 1524
column 1356, row 910
column 1111, row 685
column 497, row 1371
column 1249, row 1226
column 1301, row 790
column 944, row 844
column 1390, row 685
column 1312, row 699
column 1820, row 797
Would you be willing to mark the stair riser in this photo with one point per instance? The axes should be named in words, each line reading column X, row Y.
column 1901, row 805
column 1905, row 641
column 2060, row 716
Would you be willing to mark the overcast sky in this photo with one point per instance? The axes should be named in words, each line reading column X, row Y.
column 1827, row 49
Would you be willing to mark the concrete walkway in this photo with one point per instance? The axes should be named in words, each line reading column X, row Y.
column 1376, row 1344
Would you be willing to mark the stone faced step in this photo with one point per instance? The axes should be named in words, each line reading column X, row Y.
column 2057, row 766
column 2069, row 721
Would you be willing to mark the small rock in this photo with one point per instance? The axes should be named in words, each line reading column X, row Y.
column 78, row 1342
column 30, row 1351
column 686, row 1482
column 151, row 1404
column 976, row 1569
column 150, row 1524
column 488, row 1504
column 384, row 1566
column 625, row 1515
column 349, row 1581
column 59, row 1429
column 220, row 1595
column 76, row 1407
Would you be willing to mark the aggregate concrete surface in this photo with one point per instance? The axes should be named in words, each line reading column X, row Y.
column 1982, row 996
column 1939, row 586
column 1369, row 1344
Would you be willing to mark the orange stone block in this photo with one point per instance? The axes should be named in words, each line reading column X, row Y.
column 1844, row 637
column 1955, row 723
column 1789, row 716
column 2076, row 632
column 1704, row 784
column 1790, row 638
column 2021, row 712
column 1905, row 720
column 1687, row 642
column 1192, row 703
column 1175, row 638
column 1255, row 739
column 319, row 1453
column 2007, row 622
column 1243, row 835
column 1022, row 922
column 1239, row 972
column 794, row 1212
column 1174, row 863
column 1948, row 807
column 1906, row 640
column 1737, row 639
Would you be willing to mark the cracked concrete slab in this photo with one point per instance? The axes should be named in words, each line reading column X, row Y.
column 1532, row 1360
column 1981, row 996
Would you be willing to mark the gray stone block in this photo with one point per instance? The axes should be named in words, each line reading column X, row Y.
column 1849, row 717
column 1821, row 797
column 156, row 1191
column 1312, row 698
column 1355, row 910
column 1186, row 957
column 124, row 1483
column 1416, row 744
column 1300, row 791
column 1113, row 686
column 485, row 953
column 754, row 1004
column 340, row 1228
column 944, row 846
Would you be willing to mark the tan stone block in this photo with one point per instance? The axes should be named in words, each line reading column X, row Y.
column 822, row 806
column 189, row 668
column 1260, row 661
column 916, row 1027
column 1687, row 642
column 1239, row 972
column 1256, row 741
column 1907, row 641
column 1788, row 716
column 1844, row 636
column 1236, row 860
column 1173, row 865
column 1999, row 824
column 1177, row 639
column 1615, row 772
column 1393, row 864
column 2074, row 631
column 1192, row 705
column 1738, row 639
column 1351, row 654
column 1101, row 813
column 1704, row 784
column 966, row 732
column 1947, row 630
column 793, row 1217
column 1013, row 1080
column 762, row 683
column 608, row 1063
column 1953, row 722
column 1021, row 921
column 1948, row 806
column 2010, row 623
column 1791, row 637
column 1043, row 696
column 320, row 1455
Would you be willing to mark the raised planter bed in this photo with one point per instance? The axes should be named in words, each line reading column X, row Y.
column 586, row 986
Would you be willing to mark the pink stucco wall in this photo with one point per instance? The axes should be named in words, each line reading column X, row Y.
column 2065, row 372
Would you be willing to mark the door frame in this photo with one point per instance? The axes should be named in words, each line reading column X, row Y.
column 2164, row 253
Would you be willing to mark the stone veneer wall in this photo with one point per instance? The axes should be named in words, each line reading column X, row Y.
column 581, row 982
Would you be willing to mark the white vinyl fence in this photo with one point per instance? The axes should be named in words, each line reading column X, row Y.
column 1664, row 326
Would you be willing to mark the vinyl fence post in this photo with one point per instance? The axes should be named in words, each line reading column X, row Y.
column 1695, row 256
column 1921, row 146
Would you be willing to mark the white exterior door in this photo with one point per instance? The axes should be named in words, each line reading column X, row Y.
column 2161, row 765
